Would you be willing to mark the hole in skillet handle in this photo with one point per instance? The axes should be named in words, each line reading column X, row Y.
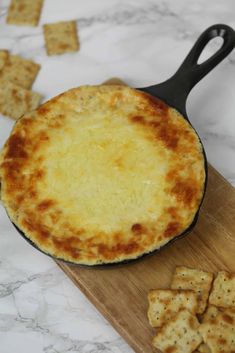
column 175, row 90
column 211, row 47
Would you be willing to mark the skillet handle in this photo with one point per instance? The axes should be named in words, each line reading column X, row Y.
column 175, row 90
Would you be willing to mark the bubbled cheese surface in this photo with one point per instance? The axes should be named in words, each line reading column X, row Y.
column 102, row 174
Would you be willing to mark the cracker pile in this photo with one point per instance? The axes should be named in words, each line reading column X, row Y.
column 16, row 79
column 196, row 315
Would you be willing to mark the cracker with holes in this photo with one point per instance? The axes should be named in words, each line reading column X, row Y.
column 223, row 290
column 179, row 335
column 164, row 303
column 61, row 37
column 219, row 332
column 3, row 58
column 24, row 12
column 196, row 280
column 15, row 101
column 19, row 71
column 210, row 313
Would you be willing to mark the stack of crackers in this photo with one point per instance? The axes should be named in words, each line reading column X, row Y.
column 196, row 314
column 16, row 78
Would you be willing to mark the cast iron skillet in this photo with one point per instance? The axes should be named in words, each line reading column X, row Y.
column 174, row 92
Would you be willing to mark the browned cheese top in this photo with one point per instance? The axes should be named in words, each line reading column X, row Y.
column 101, row 174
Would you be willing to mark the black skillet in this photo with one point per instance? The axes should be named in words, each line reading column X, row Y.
column 175, row 91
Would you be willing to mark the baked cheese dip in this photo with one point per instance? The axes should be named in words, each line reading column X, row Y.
column 102, row 174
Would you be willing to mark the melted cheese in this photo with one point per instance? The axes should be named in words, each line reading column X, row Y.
column 102, row 174
column 112, row 174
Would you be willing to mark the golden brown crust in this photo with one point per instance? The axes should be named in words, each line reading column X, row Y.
column 102, row 174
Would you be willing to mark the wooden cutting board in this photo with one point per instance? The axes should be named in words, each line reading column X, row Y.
column 120, row 293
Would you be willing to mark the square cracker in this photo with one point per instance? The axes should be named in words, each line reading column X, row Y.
column 24, row 12
column 196, row 280
column 15, row 101
column 165, row 303
column 219, row 332
column 210, row 314
column 223, row 290
column 61, row 37
column 20, row 71
column 179, row 335
column 3, row 58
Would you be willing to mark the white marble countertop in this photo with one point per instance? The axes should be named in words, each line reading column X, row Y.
column 143, row 42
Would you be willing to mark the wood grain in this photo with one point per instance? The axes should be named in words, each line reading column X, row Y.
column 120, row 293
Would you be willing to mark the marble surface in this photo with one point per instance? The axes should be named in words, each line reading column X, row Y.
column 143, row 42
